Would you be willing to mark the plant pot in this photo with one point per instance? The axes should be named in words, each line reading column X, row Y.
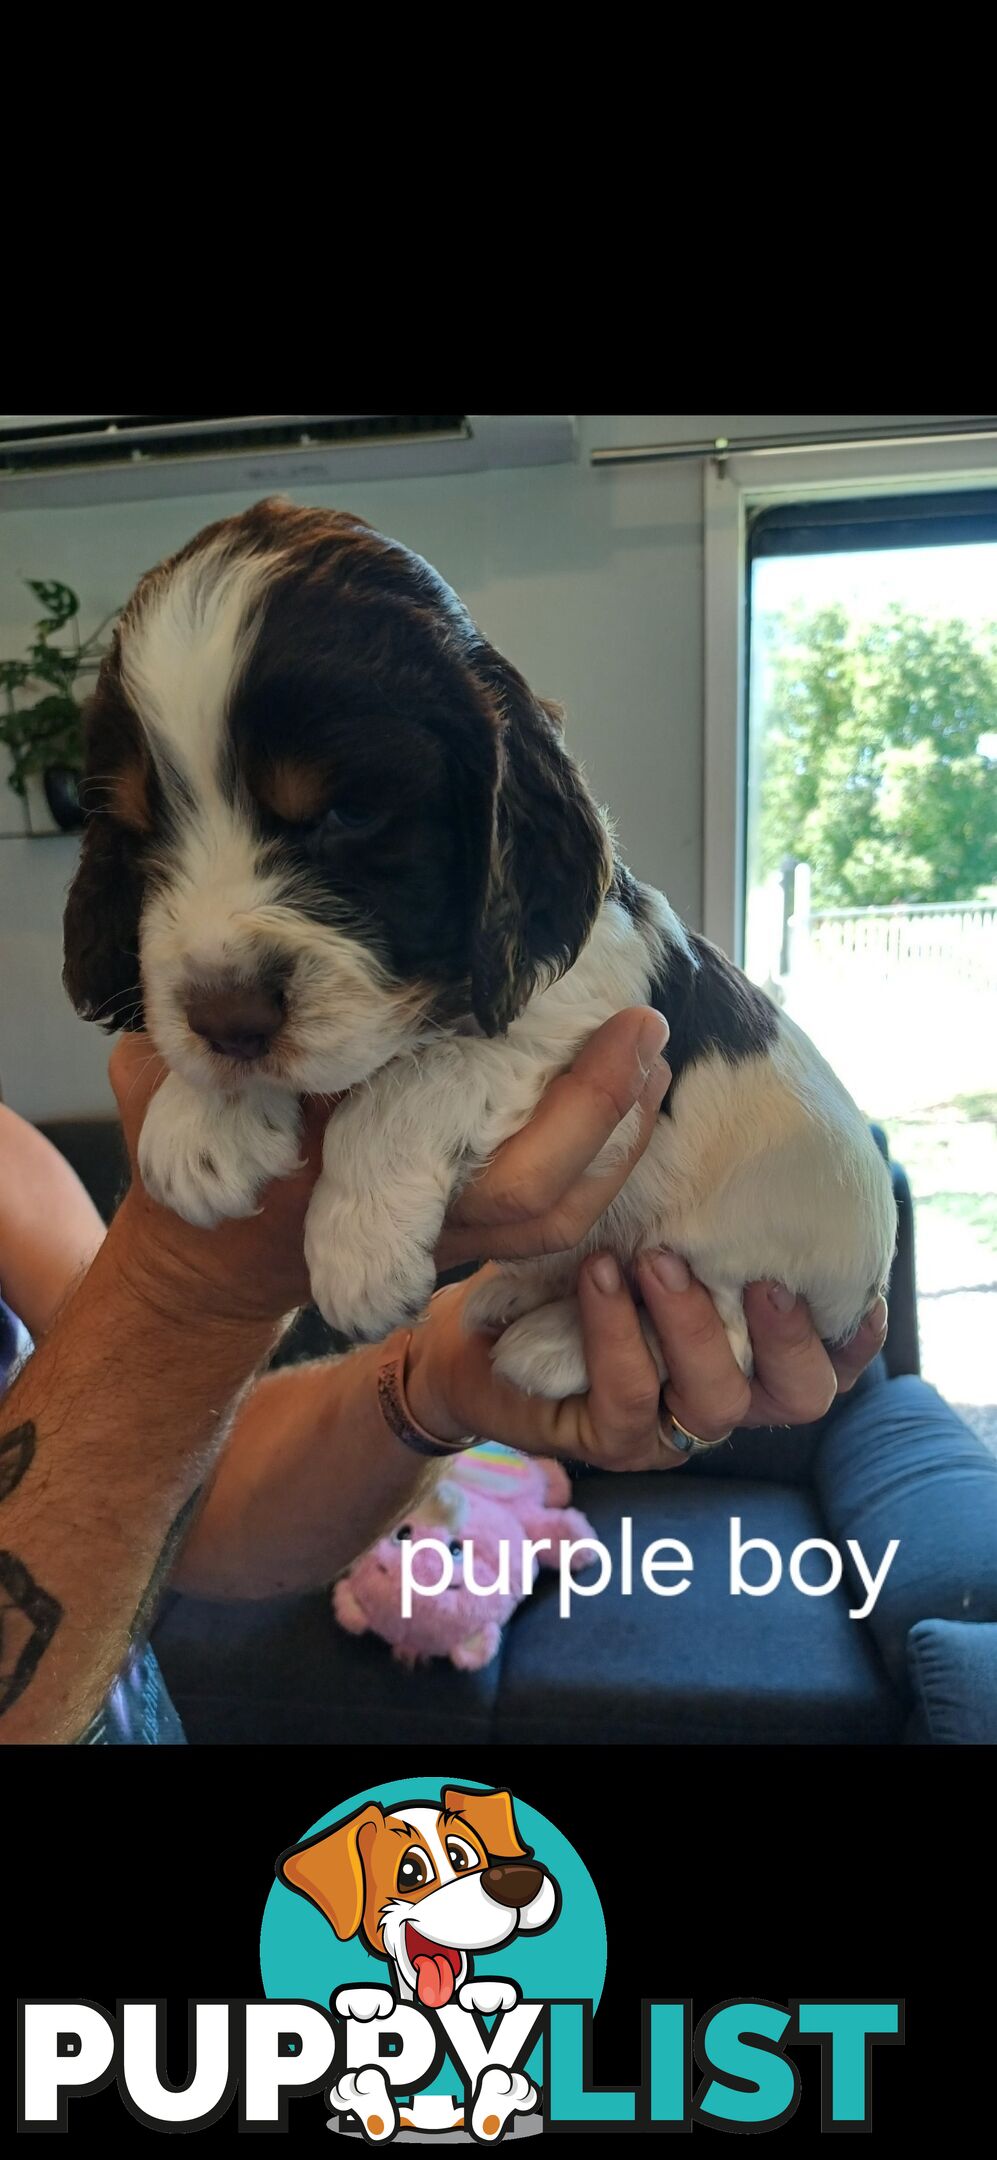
column 62, row 794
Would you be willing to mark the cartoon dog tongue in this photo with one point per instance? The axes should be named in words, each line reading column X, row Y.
column 434, row 1979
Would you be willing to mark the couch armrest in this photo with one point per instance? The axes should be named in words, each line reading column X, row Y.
column 953, row 1671
column 902, row 1350
column 895, row 1461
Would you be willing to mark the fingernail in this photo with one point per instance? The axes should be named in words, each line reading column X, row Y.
column 781, row 1298
column 605, row 1274
column 877, row 1317
column 669, row 1269
column 652, row 1038
column 659, row 1081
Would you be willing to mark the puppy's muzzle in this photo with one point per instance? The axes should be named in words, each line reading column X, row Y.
column 514, row 1885
column 237, row 1020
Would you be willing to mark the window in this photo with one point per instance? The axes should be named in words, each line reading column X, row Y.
column 870, row 851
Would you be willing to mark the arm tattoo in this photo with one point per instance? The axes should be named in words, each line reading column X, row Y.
column 28, row 1615
column 174, row 1539
column 17, row 1453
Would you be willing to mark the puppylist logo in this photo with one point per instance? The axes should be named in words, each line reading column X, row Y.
column 432, row 1957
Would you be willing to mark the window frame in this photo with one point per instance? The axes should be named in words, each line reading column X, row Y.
column 732, row 488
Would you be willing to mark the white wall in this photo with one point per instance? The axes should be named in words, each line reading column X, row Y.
column 590, row 580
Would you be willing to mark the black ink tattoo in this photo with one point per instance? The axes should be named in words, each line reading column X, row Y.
column 28, row 1620
column 28, row 1615
column 149, row 1600
column 17, row 1453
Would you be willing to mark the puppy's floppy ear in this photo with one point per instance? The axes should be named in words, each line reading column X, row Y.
column 100, row 930
column 328, row 1870
column 549, row 861
column 101, row 922
column 490, row 1814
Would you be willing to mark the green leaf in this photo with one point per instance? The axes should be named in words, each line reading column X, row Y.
column 59, row 600
column 52, row 666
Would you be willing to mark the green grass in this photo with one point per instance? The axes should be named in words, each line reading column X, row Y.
column 950, row 1155
column 977, row 1210
column 980, row 1109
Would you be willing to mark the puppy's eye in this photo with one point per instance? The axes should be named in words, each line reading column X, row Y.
column 415, row 1869
column 403, row 1531
column 460, row 1856
column 345, row 817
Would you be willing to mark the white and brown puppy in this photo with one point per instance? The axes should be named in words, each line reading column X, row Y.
column 427, row 1888
column 335, row 844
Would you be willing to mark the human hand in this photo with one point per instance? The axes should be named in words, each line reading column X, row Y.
column 534, row 1196
column 453, row 1388
column 252, row 1269
column 795, row 1378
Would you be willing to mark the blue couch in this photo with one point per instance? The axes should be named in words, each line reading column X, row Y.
column 891, row 1460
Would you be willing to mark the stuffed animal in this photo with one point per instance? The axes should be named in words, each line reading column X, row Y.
column 486, row 1497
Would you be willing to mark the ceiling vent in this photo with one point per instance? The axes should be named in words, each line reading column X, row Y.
column 74, row 459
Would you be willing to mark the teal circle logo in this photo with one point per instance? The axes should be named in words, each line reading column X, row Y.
column 302, row 1959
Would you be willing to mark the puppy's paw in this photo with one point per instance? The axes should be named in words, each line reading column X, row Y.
column 731, row 1310
column 363, row 1282
column 489, row 1996
column 364, row 2003
column 500, row 2093
column 544, row 1352
column 504, row 1297
column 366, row 2094
column 653, row 1344
column 208, row 1156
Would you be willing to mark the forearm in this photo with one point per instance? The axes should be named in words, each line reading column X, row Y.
column 49, row 1227
column 310, row 1477
column 114, row 1423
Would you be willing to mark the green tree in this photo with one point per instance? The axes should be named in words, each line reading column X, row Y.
column 872, row 768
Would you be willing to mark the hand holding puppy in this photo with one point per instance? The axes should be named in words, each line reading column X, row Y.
column 535, row 1197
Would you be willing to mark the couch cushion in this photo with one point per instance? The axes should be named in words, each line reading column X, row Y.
column 282, row 1669
column 903, row 1464
column 705, row 1665
column 953, row 1669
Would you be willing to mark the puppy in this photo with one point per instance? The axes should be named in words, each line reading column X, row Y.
column 335, row 844
column 427, row 1888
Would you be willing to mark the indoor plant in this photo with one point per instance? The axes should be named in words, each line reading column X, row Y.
column 46, row 737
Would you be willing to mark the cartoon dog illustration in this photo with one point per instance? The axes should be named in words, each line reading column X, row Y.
column 426, row 1888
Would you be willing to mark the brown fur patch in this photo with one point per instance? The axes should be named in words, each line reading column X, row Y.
column 129, row 797
column 296, row 793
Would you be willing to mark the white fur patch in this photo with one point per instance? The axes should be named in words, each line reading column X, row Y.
column 488, row 1997
column 500, row 2093
column 367, row 2094
column 182, row 654
column 366, row 2004
column 208, row 1157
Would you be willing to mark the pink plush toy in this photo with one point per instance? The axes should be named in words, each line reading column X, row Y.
column 491, row 1498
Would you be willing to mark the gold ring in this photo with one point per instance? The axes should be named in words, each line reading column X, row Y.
column 689, row 1441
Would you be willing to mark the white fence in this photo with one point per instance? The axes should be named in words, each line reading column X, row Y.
column 961, row 940
column 901, row 1000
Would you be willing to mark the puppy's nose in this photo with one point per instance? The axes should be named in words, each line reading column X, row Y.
column 514, row 1885
column 238, row 1020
